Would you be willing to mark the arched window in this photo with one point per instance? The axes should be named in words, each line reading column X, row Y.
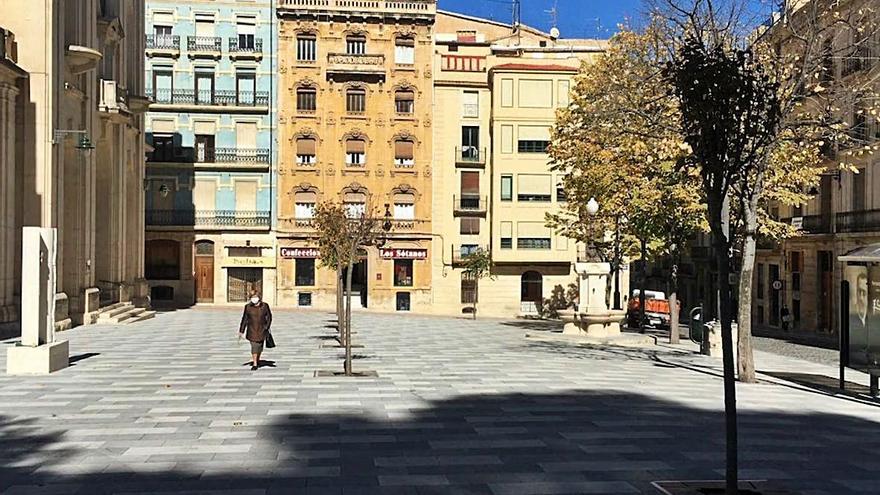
column 404, row 101
column 162, row 259
column 404, row 153
column 355, row 152
column 204, row 248
column 306, row 99
column 355, row 100
column 531, row 291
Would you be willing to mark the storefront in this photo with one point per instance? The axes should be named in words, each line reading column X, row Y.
column 245, row 269
column 404, row 262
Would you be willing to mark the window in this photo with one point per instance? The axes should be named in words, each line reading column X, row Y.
column 244, row 252
column 355, row 204
column 760, row 277
column 204, row 29
column 506, row 188
column 246, row 30
column 561, row 197
column 468, row 288
column 404, row 153
column 470, row 143
column 506, row 235
column 305, row 151
column 356, row 45
column 534, row 188
column 470, row 226
column 470, row 104
column 858, row 190
column 532, row 235
column 163, row 84
column 355, row 152
column 468, row 249
column 163, row 148
column 404, row 51
column 532, row 243
column 306, row 48
column 355, row 100
column 403, row 301
column 306, row 100
column 304, row 208
column 161, row 31
column 205, row 88
column 404, row 101
column 162, row 260
column 305, row 272
column 532, row 146
column 403, row 273
column 204, row 149
column 404, row 206
column 246, row 85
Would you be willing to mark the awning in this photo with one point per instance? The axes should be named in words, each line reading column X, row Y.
column 864, row 254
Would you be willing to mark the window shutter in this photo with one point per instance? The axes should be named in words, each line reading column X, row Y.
column 534, row 184
column 306, row 146
column 406, row 42
column 404, row 198
column 470, row 226
column 355, row 146
column 403, row 149
column 306, row 197
column 533, row 230
column 470, row 183
column 405, row 95
column 534, row 133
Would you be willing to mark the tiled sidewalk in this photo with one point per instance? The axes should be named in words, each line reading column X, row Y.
column 459, row 406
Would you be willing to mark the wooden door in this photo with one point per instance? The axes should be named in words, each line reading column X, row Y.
column 204, row 279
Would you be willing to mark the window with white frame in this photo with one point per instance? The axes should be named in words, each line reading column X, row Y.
column 404, row 153
column 306, row 48
column 355, row 204
column 405, row 51
column 356, row 45
column 404, row 206
column 304, row 206
column 306, row 148
column 355, row 152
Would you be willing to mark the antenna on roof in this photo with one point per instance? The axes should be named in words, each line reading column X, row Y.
column 554, row 19
column 517, row 16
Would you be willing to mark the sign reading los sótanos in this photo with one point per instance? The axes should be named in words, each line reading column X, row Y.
column 403, row 254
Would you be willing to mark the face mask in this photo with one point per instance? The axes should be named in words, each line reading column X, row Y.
column 255, row 300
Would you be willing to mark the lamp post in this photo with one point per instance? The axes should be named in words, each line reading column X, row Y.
column 593, row 210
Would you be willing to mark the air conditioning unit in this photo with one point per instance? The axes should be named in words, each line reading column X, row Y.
column 109, row 96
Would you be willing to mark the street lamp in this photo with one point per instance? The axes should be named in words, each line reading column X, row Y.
column 386, row 225
column 593, row 210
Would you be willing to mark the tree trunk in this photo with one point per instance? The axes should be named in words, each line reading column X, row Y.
column 673, row 306
column 474, row 302
column 644, row 281
column 721, row 246
column 340, row 308
column 746, row 361
column 348, row 317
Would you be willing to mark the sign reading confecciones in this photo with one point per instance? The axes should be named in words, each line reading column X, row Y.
column 403, row 254
column 300, row 253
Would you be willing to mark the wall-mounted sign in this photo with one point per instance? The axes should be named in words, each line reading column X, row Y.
column 403, row 254
column 300, row 253
column 777, row 285
column 249, row 261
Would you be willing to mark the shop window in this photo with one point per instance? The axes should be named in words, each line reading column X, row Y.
column 304, row 299
column 305, row 272
column 403, row 273
column 403, row 301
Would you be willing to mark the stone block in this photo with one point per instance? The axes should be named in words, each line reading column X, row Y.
column 711, row 345
column 91, row 305
column 39, row 360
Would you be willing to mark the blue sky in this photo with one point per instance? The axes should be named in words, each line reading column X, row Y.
column 576, row 18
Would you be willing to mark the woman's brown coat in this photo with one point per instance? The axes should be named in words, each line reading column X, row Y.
column 255, row 322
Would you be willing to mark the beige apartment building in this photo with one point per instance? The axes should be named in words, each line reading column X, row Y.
column 79, row 148
column 356, row 126
column 497, row 89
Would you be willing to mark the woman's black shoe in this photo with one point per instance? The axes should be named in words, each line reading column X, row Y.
column 253, row 368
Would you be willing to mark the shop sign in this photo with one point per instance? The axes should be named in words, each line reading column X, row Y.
column 246, row 261
column 403, row 254
column 300, row 253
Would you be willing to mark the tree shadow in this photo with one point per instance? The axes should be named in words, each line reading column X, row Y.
column 80, row 357
column 585, row 441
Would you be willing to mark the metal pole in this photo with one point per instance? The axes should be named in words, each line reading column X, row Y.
column 617, row 263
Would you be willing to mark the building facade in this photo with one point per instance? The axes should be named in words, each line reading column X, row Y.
column 79, row 148
column 497, row 89
column 356, row 127
column 210, row 173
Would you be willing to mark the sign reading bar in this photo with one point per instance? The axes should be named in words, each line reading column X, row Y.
column 300, row 253
column 403, row 254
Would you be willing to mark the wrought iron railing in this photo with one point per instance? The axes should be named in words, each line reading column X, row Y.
column 204, row 44
column 240, row 155
column 218, row 97
column 208, row 218
column 254, row 45
column 469, row 203
column 817, row 224
column 163, row 42
column 858, row 221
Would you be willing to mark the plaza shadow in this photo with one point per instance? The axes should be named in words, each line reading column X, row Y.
column 577, row 442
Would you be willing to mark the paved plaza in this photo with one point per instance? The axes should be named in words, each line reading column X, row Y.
column 459, row 406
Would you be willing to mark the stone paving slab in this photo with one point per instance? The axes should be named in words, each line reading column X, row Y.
column 457, row 406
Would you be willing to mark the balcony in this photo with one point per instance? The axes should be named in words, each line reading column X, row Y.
column 343, row 63
column 358, row 8
column 470, row 157
column 816, row 224
column 469, row 206
column 459, row 258
column 208, row 219
column 204, row 46
column 226, row 158
column 863, row 59
column 858, row 221
column 158, row 45
column 247, row 50
column 245, row 101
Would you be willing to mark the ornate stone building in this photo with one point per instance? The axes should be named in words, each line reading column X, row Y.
column 355, row 126
column 80, row 147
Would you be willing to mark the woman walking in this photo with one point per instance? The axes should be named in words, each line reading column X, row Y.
column 255, row 323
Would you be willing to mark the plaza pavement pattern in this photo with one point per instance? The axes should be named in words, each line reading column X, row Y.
column 459, row 407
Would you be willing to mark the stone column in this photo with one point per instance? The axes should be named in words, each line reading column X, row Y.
column 8, row 201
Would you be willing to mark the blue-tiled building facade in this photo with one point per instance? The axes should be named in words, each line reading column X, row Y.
column 210, row 174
